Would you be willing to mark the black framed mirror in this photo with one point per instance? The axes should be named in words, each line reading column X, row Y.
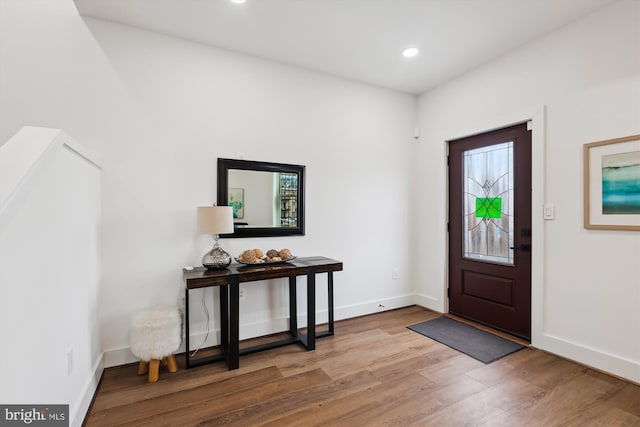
column 267, row 198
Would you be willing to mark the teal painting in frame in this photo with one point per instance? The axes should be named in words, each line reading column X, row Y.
column 621, row 183
column 612, row 184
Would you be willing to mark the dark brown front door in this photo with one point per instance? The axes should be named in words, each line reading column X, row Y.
column 490, row 229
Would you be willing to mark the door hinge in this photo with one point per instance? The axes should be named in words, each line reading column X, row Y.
column 449, row 292
column 448, row 228
column 448, row 161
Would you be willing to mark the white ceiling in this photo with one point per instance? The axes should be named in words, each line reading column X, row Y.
column 355, row 39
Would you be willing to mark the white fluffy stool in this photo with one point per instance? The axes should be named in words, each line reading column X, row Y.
column 155, row 335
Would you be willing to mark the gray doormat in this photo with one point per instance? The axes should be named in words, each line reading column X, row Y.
column 471, row 341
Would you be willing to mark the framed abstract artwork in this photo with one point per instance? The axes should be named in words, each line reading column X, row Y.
column 236, row 201
column 612, row 184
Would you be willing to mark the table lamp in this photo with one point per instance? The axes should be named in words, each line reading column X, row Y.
column 215, row 220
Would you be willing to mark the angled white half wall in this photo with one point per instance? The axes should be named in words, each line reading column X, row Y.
column 49, row 271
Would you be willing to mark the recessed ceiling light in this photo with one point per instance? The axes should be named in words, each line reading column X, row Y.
column 410, row 52
column 238, row 1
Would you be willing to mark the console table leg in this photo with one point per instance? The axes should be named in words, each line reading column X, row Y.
column 311, row 309
column 234, row 324
column 186, row 328
column 293, row 306
column 330, row 300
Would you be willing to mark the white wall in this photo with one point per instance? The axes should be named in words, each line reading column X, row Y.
column 259, row 196
column 49, row 275
column 580, row 84
column 161, row 111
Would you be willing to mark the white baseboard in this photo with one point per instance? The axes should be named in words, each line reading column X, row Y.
column 82, row 404
column 118, row 357
column 123, row 355
column 370, row 307
column 603, row 361
column 428, row 302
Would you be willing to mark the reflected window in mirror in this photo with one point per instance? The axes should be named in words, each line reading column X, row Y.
column 267, row 198
column 287, row 199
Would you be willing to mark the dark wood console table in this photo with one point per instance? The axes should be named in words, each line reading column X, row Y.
column 228, row 281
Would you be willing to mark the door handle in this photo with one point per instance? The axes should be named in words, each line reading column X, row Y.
column 525, row 247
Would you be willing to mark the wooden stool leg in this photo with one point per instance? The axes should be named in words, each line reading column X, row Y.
column 154, row 366
column 171, row 363
column 142, row 367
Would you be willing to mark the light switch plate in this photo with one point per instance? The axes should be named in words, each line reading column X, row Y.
column 549, row 211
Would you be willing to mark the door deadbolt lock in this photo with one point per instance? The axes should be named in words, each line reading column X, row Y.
column 525, row 247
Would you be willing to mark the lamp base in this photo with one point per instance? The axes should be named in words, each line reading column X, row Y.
column 216, row 258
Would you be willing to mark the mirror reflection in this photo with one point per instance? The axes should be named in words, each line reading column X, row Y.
column 267, row 198
column 272, row 198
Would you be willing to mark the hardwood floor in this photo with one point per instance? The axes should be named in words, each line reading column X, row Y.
column 373, row 372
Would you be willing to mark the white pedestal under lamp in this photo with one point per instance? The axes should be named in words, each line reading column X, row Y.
column 215, row 220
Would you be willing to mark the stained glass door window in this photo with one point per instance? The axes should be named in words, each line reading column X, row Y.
column 488, row 204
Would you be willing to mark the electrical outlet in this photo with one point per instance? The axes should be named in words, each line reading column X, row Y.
column 394, row 273
column 69, row 361
column 241, row 293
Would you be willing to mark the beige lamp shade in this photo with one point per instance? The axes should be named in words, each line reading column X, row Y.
column 215, row 219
